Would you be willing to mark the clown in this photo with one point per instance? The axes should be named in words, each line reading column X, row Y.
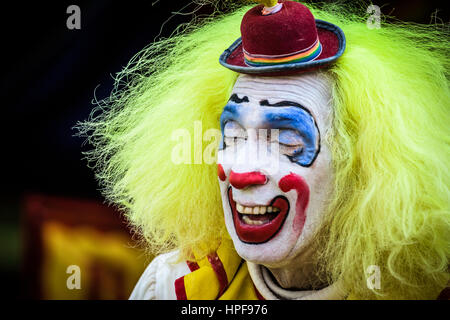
column 331, row 158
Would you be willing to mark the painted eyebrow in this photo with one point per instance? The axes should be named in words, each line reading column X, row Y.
column 234, row 97
column 285, row 103
column 265, row 103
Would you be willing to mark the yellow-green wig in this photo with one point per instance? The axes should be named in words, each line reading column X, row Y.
column 390, row 146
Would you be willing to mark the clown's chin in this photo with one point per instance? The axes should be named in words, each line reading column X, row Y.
column 259, row 224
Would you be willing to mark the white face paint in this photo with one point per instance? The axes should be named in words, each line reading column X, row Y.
column 273, row 200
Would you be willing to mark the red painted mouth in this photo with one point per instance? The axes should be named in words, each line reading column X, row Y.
column 270, row 223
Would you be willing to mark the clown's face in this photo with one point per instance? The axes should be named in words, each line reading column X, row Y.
column 274, row 166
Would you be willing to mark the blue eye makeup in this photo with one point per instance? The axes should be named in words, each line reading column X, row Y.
column 231, row 112
column 290, row 137
column 295, row 124
column 299, row 136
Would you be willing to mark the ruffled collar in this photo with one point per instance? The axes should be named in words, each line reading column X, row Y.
column 271, row 290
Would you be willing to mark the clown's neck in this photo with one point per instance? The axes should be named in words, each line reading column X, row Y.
column 298, row 278
column 299, row 274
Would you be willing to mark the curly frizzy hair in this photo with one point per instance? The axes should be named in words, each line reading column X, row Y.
column 390, row 144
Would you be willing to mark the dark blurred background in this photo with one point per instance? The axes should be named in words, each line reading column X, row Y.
column 49, row 74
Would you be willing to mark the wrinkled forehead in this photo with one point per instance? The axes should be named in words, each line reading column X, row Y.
column 311, row 90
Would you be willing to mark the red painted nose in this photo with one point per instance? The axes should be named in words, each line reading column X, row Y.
column 243, row 180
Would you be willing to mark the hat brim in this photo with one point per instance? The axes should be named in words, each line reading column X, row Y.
column 331, row 37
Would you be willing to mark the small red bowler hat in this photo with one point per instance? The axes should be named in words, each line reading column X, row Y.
column 283, row 38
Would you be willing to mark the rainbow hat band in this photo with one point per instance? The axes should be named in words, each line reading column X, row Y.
column 283, row 37
column 308, row 54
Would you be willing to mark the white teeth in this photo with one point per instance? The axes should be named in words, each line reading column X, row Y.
column 248, row 210
column 255, row 210
column 248, row 220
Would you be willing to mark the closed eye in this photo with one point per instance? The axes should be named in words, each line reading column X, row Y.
column 289, row 137
column 290, row 142
column 233, row 133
